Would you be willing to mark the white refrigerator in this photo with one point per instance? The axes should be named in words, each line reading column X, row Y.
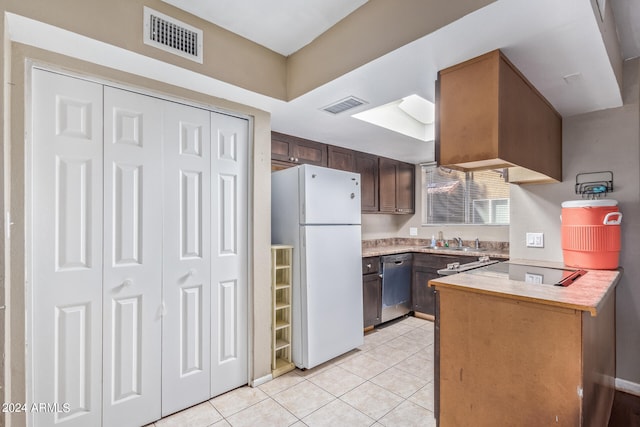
column 317, row 211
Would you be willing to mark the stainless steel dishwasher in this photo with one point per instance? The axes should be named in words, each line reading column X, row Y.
column 396, row 286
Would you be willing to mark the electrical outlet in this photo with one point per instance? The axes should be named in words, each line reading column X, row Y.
column 535, row 240
column 413, row 231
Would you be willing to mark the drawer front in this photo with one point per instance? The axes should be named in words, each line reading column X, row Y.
column 370, row 265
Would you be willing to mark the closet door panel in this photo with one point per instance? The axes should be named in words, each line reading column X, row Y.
column 229, row 255
column 65, row 316
column 186, row 363
column 133, row 258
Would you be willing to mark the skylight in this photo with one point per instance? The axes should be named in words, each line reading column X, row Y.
column 412, row 115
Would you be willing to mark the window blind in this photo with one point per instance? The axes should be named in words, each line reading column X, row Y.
column 454, row 197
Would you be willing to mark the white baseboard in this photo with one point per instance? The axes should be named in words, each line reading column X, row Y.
column 259, row 381
column 628, row 386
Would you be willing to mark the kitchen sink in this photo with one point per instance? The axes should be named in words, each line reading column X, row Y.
column 456, row 248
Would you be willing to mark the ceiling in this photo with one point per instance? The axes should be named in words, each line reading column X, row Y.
column 557, row 46
column 283, row 26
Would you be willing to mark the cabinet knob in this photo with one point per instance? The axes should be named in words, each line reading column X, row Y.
column 369, row 265
column 126, row 283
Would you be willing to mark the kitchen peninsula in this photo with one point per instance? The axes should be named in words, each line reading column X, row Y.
column 514, row 353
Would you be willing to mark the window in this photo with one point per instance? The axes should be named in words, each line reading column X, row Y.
column 454, row 197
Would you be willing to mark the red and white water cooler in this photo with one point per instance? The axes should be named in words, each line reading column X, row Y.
column 591, row 234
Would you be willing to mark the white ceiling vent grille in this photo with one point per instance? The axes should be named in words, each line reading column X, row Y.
column 171, row 35
column 344, row 105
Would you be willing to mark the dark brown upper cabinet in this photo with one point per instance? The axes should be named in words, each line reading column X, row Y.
column 386, row 185
column 367, row 166
column 287, row 150
column 397, row 186
column 341, row 158
column 490, row 116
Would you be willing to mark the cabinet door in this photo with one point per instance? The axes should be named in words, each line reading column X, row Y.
column 294, row 150
column 281, row 147
column 367, row 166
column 387, row 171
column 341, row 158
column 310, row 152
column 372, row 299
column 405, row 188
column 423, row 296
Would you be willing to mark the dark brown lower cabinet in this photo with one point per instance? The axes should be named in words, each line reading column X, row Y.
column 423, row 297
column 425, row 268
column 371, row 291
column 372, row 299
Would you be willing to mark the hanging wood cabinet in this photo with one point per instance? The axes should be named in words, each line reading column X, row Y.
column 490, row 116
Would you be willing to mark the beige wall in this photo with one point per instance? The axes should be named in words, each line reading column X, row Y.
column 602, row 140
column 260, row 198
column 227, row 56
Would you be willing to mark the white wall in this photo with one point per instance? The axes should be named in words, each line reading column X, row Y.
column 602, row 140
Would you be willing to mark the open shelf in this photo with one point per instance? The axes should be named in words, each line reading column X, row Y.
column 281, row 266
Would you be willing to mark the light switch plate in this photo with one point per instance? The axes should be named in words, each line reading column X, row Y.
column 413, row 231
column 535, row 240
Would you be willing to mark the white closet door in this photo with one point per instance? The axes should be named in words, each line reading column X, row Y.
column 229, row 258
column 186, row 361
column 66, row 242
column 132, row 258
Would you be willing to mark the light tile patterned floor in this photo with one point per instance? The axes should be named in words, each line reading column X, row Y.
column 386, row 382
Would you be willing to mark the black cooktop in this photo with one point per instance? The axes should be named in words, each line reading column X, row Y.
column 530, row 274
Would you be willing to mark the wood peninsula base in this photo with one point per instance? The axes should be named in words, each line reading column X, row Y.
column 502, row 361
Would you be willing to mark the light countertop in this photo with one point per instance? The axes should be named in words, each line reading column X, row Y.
column 400, row 248
column 586, row 294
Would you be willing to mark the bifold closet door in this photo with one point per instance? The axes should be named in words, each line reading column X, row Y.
column 132, row 322
column 229, row 163
column 66, row 256
column 186, row 334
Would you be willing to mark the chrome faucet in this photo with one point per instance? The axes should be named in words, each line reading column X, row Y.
column 458, row 240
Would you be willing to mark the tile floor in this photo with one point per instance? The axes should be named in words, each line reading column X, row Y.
column 386, row 382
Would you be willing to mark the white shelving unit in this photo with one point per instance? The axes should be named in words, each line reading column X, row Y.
column 281, row 315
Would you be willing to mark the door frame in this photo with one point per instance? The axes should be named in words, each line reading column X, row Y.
column 30, row 65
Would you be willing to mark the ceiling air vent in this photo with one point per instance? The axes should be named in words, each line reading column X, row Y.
column 344, row 105
column 171, row 35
